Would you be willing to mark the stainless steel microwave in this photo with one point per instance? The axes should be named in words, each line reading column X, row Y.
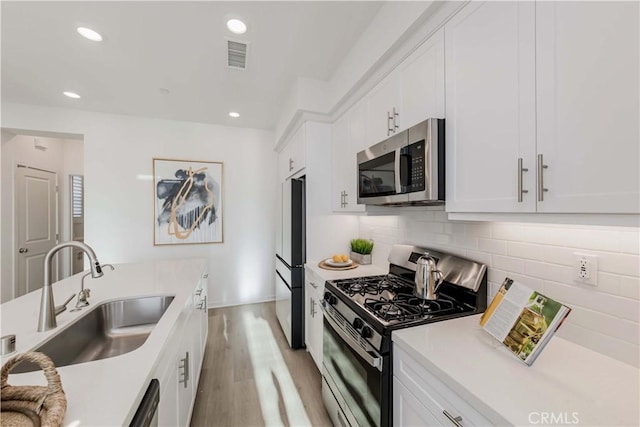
column 405, row 169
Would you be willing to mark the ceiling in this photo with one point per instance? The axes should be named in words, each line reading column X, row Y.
column 152, row 47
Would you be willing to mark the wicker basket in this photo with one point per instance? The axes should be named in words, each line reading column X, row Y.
column 32, row 405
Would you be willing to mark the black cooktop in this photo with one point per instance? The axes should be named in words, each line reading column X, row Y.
column 390, row 301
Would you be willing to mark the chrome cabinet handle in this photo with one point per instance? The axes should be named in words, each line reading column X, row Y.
column 205, row 276
column 395, row 122
column 541, row 168
column 454, row 420
column 203, row 304
column 185, row 370
column 314, row 285
column 198, row 292
column 23, row 250
column 290, row 164
column 346, row 199
column 313, row 308
column 389, row 127
column 521, row 191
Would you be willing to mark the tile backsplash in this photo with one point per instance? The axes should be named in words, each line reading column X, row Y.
column 605, row 318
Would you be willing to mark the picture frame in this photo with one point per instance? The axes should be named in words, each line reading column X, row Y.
column 187, row 202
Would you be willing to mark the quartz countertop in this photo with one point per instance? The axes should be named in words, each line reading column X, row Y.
column 105, row 392
column 566, row 378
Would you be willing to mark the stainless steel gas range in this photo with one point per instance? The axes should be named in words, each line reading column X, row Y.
column 359, row 316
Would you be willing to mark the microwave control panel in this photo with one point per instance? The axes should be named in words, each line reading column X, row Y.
column 415, row 178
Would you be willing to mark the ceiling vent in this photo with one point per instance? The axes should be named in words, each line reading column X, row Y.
column 237, row 55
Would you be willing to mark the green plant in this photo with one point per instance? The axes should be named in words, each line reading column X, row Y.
column 362, row 246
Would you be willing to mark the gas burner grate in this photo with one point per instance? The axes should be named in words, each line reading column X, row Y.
column 405, row 307
column 372, row 285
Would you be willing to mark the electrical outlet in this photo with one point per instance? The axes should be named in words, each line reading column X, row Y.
column 586, row 268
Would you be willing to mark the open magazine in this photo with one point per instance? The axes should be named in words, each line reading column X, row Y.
column 523, row 319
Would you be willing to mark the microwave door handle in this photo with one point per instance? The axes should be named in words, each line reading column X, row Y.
column 396, row 169
column 405, row 170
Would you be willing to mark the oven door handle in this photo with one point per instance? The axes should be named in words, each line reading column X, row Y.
column 375, row 362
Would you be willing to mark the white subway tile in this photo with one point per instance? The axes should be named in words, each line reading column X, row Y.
column 609, row 283
column 601, row 343
column 629, row 241
column 630, row 287
column 624, row 264
column 495, row 275
column 532, row 282
column 513, row 265
column 465, row 242
column 559, row 255
column 603, row 323
column 624, row 308
column 506, row 231
column 478, row 229
column 547, row 271
column 494, row 246
column 453, row 228
column 525, row 250
column 482, row 257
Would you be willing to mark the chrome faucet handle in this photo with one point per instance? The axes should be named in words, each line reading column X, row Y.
column 62, row 307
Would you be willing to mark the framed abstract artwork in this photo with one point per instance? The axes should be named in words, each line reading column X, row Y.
column 187, row 197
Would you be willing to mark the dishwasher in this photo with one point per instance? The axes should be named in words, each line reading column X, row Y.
column 147, row 413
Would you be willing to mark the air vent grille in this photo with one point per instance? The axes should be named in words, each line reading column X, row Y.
column 237, row 54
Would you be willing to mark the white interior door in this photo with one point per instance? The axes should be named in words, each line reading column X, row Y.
column 36, row 219
column 76, row 183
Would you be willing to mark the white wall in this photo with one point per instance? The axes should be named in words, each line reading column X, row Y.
column 604, row 318
column 118, row 153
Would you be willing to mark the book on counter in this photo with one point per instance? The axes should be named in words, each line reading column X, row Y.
column 523, row 320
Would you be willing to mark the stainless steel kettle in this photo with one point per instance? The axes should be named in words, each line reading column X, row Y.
column 428, row 278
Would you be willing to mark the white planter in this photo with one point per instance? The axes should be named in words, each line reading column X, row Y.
column 361, row 259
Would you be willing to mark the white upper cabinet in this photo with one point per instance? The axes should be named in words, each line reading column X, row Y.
column 411, row 93
column 347, row 139
column 291, row 159
column 383, row 110
column 422, row 83
column 490, row 107
column 587, row 106
column 542, row 107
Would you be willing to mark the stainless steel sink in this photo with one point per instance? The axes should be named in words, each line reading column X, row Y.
column 111, row 329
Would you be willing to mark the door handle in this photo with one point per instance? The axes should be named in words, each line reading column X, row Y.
column 23, row 250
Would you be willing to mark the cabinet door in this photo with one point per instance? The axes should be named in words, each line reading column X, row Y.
column 588, row 109
column 380, row 103
column 313, row 320
column 490, row 107
column 422, row 82
column 356, row 126
column 168, row 376
column 339, row 162
column 408, row 411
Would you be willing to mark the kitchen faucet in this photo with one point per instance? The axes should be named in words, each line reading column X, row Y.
column 84, row 294
column 48, row 311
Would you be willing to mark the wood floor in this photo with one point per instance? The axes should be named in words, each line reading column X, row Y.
column 251, row 377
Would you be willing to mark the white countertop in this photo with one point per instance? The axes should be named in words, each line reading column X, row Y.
column 105, row 392
column 359, row 271
column 566, row 377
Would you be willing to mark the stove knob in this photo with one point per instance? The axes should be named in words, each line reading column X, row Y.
column 358, row 323
column 331, row 299
column 366, row 332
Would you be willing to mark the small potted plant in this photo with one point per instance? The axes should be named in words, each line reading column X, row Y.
column 361, row 251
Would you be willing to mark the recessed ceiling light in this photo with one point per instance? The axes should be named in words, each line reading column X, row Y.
column 88, row 33
column 234, row 114
column 71, row 95
column 236, row 26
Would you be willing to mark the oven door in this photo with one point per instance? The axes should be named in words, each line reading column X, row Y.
column 355, row 377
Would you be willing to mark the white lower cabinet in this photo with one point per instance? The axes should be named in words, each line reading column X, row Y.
column 179, row 370
column 420, row 398
column 314, row 290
